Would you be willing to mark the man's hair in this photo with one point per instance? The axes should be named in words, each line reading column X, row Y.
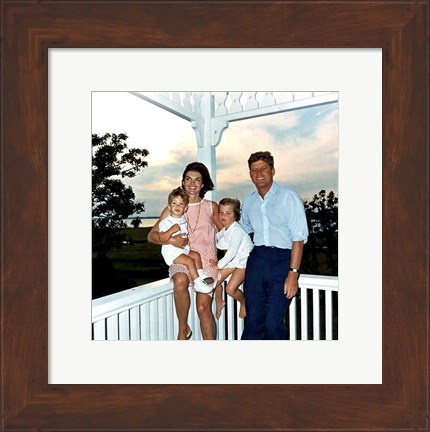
column 178, row 192
column 235, row 205
column 263, row 156
column 206, row 177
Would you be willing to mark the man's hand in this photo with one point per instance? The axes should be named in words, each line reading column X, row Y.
column 291, row 285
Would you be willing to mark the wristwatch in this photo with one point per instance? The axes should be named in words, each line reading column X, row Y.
column 294, row 270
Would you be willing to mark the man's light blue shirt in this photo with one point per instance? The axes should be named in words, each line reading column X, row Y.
column 277, row 220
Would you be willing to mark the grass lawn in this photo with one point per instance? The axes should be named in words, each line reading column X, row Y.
column 140, row 261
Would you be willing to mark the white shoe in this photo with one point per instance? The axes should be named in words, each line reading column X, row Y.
column 206, row 278
column 201, row 287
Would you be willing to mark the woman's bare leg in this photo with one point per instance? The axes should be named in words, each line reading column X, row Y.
column 182, row 303
column 204, row 310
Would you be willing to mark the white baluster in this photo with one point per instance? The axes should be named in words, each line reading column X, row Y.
column 134, row 324
column 230, row 317
column 161, row 318
column 145, row 324
column 124, row 325
column 304, row 312
column 328, row 315
column 316, row 313
column 112, row 327
column 293, row 319
column 153, row 320
column 100, row 330
column 171, row 313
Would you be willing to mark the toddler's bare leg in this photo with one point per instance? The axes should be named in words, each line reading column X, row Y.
column 199, row 266
column 189, row 263
column 196, row 258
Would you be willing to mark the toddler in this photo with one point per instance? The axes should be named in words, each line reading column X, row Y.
column 175, row 224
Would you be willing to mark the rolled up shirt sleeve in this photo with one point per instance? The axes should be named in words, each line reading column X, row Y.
column 297, row 218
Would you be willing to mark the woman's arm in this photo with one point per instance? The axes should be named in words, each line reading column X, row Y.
column 215, row 214
column 154, row 233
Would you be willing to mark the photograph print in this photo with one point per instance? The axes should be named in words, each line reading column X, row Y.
column 215, row 215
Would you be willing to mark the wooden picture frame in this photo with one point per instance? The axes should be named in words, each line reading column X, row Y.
column 29, row 29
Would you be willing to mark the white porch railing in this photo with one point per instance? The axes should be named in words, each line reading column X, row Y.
column 147, row 312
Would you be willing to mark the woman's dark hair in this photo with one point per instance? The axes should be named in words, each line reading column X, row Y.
column 206, row 177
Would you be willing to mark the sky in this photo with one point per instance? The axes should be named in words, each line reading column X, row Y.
column 303, row 142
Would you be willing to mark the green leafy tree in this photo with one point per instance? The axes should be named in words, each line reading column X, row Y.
column 112, row 200
column 321, row 252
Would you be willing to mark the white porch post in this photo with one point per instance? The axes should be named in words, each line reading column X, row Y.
column 208, row 135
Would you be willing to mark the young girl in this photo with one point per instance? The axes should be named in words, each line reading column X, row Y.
column 176, row 224
column 238, row 246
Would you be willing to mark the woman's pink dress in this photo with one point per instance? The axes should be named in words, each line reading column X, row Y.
column 201, row 234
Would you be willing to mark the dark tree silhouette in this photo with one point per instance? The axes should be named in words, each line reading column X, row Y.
column 112, row 200
column 136, row 222
column 321, row 250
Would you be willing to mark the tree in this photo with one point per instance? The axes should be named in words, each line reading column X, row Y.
column 112, row 200
column 322, row 247
column 136, row 222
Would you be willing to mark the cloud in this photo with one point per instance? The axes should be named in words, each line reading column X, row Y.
column 304, row 143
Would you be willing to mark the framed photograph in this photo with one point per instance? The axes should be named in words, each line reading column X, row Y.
column 29, row 31
column 359, row 146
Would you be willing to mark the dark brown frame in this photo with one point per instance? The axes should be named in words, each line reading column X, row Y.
column 29, row 29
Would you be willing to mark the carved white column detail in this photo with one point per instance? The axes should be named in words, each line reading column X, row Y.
column 220, row 108
column 251, row 100
column 236, row 106
column 267, row 100
column 187, row 101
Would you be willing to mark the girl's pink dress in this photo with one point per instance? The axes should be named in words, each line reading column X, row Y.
column 201, row 234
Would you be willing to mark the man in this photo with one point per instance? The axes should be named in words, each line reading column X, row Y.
column 276, row 216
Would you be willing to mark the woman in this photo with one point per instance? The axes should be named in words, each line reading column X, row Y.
column 203, row 221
